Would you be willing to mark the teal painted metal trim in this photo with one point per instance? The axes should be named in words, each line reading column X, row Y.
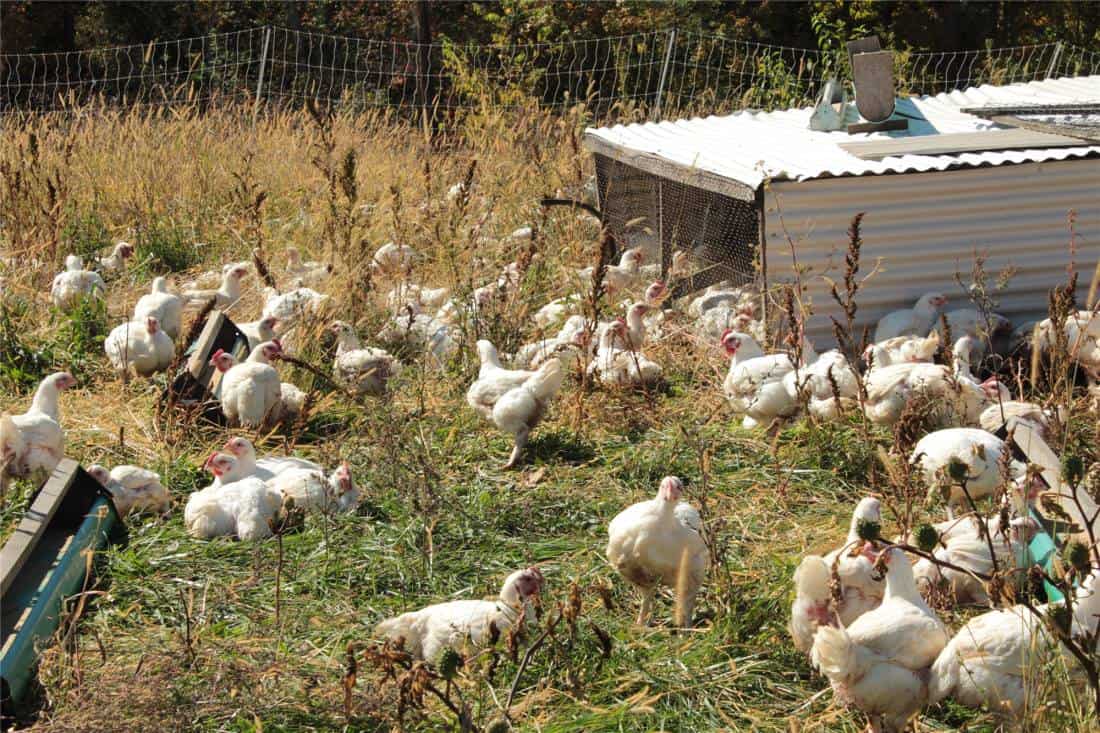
column 65, row 578
column 1043, row 550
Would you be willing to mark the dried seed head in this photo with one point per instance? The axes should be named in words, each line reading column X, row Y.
column 449, row 664
column 927, row 537
column 1077, row 555
column 868, row 530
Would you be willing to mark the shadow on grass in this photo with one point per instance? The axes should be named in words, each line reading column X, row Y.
column 559, row 446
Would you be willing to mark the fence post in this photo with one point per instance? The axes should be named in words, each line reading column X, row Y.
column 1054, row 59
column 664, row 75
column 263, row 66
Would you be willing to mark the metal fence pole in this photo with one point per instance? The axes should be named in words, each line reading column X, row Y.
column 263, row 66
column 1054, row 59
column 664, row 74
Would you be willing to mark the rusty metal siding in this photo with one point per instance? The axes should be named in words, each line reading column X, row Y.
column 925, row 227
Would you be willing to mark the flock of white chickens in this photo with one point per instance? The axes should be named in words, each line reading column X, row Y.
column 880, row 645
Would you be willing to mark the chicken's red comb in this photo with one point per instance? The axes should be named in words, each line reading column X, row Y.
column 210, row 459
column 217, row 354
column 725, row 333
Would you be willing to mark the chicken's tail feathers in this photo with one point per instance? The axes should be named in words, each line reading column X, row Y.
column 546, row 382
column 836, row 655
column 811, row 578
column 400, row 627
column 11, row 440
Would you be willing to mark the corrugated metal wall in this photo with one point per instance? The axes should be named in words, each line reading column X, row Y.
column 925, row 227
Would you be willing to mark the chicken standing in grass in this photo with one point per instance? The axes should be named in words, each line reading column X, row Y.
column 142, row 345
column 660, row 541
column 259, row 331
column 493, row 380
column 163, row 305
column 75, row 283
column 117, row 259
column 34, row 441
column 520, row 409
column 860, row 591
column 880, row 663
column 227, row 294
column 250, row 391
column 427, row 633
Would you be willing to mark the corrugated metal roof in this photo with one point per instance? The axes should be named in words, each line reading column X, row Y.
column 749, row 147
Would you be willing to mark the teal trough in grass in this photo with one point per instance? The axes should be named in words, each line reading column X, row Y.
column 45, row 561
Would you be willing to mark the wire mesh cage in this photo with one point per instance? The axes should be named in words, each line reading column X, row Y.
column 700, row 237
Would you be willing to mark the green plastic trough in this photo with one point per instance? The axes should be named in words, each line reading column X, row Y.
column 45, row 561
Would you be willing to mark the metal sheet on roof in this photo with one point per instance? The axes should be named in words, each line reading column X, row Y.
column 750, row 147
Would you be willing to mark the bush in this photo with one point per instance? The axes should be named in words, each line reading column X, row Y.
column 164, row 248
column 85, row 234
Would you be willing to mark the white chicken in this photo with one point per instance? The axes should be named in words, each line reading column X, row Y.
column 754, row 384
column 364, row 370
column 267, row 467
column 1082, row 335
column 259, row 331
column 310, row 272
column 141, row 345
column 1000, row 413
column 116, row 261
column 960, row 397
column 538, row 351
column 493, row 380
column 860, row 590
column 557, row 310
column 227, row 294
column 915, row 321
column 313, row 491
column 74, row 284
column 163, row 305
column 616, row 277
column 879, row 664
column 815, row 383
column 902, row 349
column 520, row 409
column 393, row 260
column 34, row 441
column 971, row 552
column 995, row 660
column 420, row 332
column 978, row 452
column 456, row 625
column 241, row 507
column 291, row 307
column 419, row 298
column 134, row 490
column 620, row 367
column 250, row 392
column 660, row 541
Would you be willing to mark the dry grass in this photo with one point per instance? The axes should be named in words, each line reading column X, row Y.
column 185, row 634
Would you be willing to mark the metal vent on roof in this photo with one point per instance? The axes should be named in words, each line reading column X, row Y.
column 873, row 78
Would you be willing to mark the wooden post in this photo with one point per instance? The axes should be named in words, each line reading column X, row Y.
column 423, row 61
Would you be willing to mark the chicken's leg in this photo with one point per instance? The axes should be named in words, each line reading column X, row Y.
column 646, row 607
column 517, row 449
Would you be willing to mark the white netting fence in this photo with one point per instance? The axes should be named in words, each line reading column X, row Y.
column 659, row 74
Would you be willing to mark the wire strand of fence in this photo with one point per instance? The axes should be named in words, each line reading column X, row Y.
column 659, row 73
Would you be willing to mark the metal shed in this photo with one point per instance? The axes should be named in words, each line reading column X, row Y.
column 735, row 191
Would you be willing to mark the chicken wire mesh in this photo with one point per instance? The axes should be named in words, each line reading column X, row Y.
column 718, row 235
column 657, row 74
